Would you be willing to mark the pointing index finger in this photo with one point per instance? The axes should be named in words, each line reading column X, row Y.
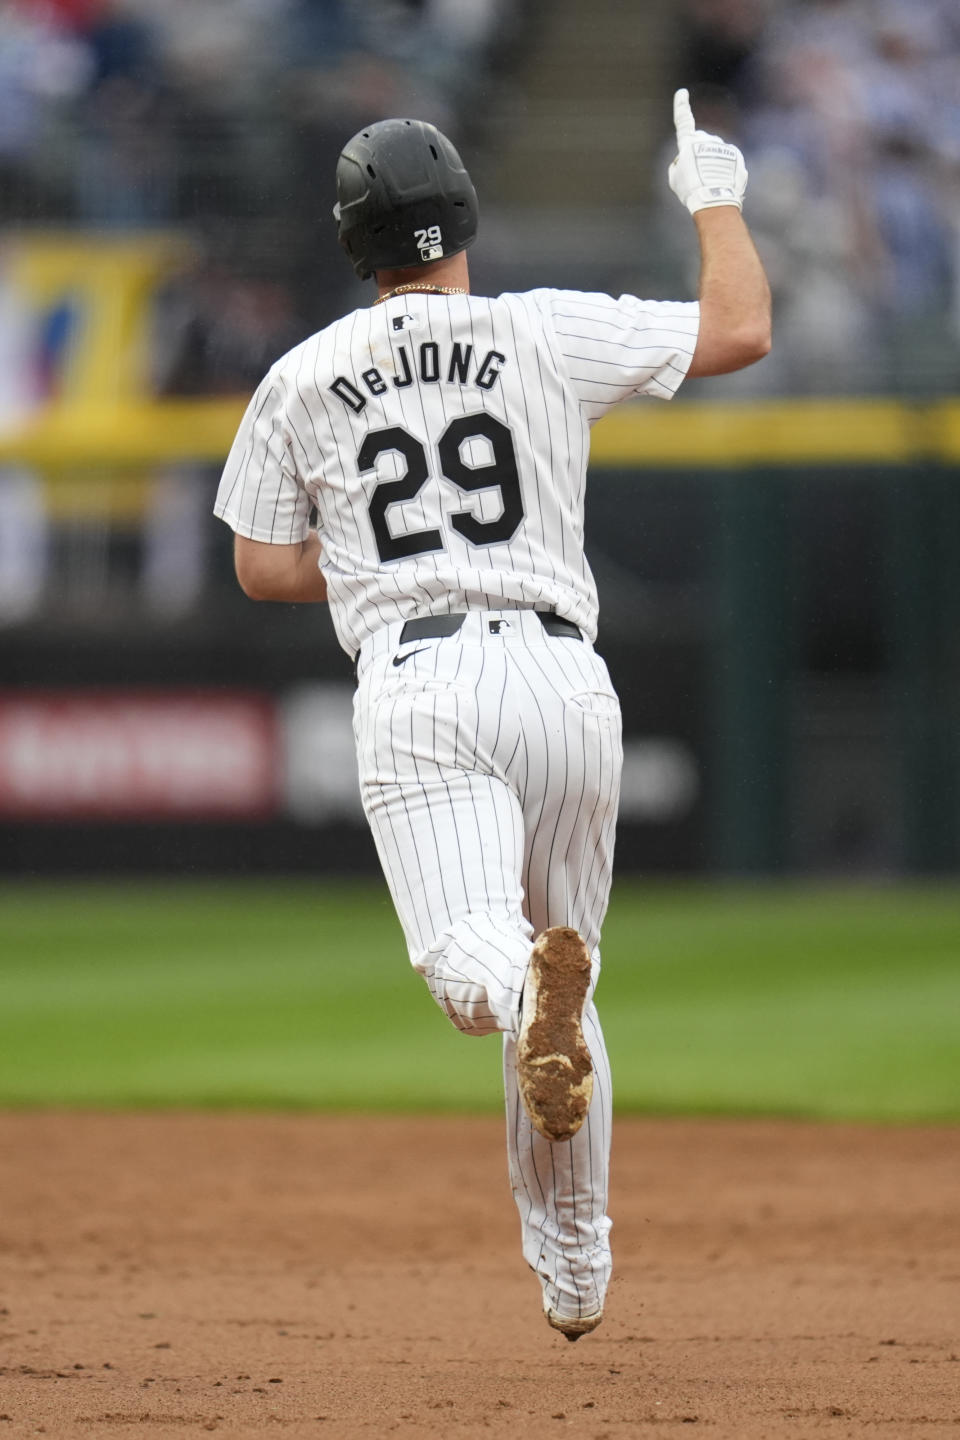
column 683, row 116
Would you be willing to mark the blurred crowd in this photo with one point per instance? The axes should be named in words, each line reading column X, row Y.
column 113, row 110
column 221, row 121
column 849, row 114
column 225, row 116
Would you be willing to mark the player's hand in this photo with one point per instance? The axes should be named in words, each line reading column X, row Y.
column 707, row 171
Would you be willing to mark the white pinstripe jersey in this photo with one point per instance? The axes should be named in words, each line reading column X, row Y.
column 444, row 443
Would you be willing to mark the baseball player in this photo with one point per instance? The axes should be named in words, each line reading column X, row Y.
column 443, row 438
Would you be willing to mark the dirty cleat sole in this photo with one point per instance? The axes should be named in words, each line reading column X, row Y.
column 554, row 1070
column 573, row 1329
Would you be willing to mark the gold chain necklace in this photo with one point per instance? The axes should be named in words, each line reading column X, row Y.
column 424, row 290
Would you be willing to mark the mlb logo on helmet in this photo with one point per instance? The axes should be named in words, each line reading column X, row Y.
column 429, row 242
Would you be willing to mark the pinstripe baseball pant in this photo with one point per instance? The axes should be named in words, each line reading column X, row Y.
column 489, row 770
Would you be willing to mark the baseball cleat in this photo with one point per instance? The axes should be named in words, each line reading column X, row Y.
column 573, row 1329
column 554, row 1070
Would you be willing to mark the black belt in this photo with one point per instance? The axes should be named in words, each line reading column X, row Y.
column 435, row 627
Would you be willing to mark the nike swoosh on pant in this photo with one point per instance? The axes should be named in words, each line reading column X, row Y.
column 400, row 659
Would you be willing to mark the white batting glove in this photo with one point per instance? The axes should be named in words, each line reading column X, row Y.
column 707, row 171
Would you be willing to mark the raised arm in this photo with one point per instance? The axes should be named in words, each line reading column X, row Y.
column 710, row 178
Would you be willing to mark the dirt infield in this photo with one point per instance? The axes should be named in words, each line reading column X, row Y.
column 305, row 1276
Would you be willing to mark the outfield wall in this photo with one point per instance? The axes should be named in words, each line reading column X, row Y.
column 779, row 602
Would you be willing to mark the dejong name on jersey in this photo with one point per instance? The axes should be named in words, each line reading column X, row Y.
column 428, row 364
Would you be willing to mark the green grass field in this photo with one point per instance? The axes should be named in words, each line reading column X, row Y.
column 842, row 1003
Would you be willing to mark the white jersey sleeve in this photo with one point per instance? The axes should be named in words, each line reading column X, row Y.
column 260, row 496
column 613, row 349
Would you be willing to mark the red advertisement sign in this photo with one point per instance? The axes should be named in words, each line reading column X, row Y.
column 132, row 755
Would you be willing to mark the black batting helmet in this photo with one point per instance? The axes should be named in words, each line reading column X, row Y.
column 403, row 197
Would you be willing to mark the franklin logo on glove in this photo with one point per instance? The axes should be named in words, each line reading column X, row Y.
column 707, row 171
